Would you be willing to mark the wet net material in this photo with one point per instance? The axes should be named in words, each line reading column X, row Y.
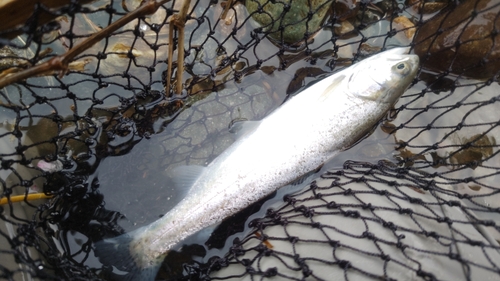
column 99, row 100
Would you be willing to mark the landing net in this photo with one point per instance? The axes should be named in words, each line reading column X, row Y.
column 99, row 100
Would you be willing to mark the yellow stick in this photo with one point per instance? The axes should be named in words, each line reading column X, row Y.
column 29, row 197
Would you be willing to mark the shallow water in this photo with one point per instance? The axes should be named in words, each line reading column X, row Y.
column 137, row 184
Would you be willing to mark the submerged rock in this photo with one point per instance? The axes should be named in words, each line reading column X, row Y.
column 299, row 17
column 462, row 39
column 427, row 7
column 344, row 9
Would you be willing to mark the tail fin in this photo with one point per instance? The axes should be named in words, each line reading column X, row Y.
column 117, row 252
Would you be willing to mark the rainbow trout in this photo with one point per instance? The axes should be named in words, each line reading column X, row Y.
column 297, row 138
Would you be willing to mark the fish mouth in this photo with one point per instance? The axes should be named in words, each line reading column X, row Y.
column 414, row 61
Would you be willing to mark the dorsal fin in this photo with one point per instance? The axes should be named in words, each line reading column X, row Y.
column 241, row 128
column 184, row 177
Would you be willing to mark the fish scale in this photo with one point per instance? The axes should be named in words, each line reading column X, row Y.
column 294, row 140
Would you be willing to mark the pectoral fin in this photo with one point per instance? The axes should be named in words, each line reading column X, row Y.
column 302, row 179
column 331, row 88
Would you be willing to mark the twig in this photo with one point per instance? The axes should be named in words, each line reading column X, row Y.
column 170, row 57
column 226, row 9
column 60, row 63
column 180, row 23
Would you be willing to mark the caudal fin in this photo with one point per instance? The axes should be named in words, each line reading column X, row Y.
column 134, row 266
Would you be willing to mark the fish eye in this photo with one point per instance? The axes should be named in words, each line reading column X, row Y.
column 402, row 68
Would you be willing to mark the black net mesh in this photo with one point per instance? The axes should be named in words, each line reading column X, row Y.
column 99, row 100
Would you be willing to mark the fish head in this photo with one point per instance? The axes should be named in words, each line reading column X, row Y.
column 383, row 77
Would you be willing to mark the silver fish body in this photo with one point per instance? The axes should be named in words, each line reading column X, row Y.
column 294, row 140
